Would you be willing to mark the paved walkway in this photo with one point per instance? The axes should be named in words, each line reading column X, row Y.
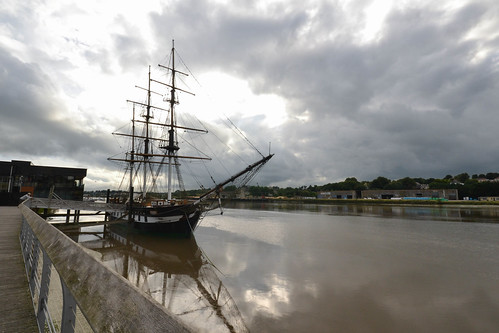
column 16, row 307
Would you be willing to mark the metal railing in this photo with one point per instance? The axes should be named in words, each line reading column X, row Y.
column 39, row 272
column 90, row 296
column 57, row 203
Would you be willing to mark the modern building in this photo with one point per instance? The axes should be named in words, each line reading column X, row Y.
column 338, row 195
column 20, row 177
column 449, row 194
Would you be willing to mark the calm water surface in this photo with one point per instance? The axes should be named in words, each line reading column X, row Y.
column 296, row 268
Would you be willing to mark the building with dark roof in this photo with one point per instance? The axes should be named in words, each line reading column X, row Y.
column 449, row 194
column 20, row 177
column 346, row 194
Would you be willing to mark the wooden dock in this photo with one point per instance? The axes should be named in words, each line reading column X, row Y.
column 16, row 308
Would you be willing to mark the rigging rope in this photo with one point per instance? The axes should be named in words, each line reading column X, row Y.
column 179, row 175
column 234, row 127
column 193, row 175
column 156, row 178
column 243, row 136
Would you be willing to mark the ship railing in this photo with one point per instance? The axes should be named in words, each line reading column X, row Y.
column 72, row 291
column 52, row 203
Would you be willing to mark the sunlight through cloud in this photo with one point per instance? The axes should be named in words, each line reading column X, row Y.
column 222, row 94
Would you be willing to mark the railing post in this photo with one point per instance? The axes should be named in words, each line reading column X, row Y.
column 68, row 310
column 44, row 291
column 24, row 234
column 31, row 249
column 27, row 248
column 34, row 266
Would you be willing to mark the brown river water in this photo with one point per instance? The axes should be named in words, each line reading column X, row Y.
column 319, row 268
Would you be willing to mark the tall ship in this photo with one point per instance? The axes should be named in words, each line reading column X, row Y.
column 154, row 154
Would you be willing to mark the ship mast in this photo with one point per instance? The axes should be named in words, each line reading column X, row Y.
column 132, row 157
column 171, row 148
column 146, row 139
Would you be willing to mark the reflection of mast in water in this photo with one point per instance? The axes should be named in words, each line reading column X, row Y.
column 214, row 303
column 175, row 272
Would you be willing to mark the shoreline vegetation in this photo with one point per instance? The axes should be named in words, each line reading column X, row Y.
column 388, row 202
column 477, row 190
column 316, row 201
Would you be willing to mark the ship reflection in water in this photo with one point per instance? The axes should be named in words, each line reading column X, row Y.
column 175, row 272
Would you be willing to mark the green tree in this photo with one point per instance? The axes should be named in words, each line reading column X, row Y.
column 421, row 180
column 288, row 192
column 440, row 184
column 379, row 183
column 230, row 188
column 260, row 191
column 462, row 177
column 407, row 183
column 394, row 185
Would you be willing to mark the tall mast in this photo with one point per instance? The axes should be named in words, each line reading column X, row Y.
column 171, row 148
column 146, row 140
column 132, row 155
column 132, row 158
column 145, row 155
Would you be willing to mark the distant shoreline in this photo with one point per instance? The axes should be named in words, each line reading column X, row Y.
column 373, row 202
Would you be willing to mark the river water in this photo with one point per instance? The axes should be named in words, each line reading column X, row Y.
column 319, row 268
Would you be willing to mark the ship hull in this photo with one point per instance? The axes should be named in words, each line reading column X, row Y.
column 179, row 219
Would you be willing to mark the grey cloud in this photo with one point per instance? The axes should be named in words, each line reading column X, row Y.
column 33, row 121
column 416, row 102
column 130, row 46
column 409, row 105
column 102, row 57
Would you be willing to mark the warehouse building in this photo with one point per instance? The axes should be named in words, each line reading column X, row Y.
column 449, row 194
column 338, row 195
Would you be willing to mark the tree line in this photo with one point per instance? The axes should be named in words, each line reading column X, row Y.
column 477, row 185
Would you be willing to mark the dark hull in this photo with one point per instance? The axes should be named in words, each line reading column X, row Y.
column 180, row 219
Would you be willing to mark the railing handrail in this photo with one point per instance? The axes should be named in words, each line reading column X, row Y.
column 73, row 204
column 109, row 302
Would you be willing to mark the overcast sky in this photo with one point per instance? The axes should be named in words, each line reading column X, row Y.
column 340, row 88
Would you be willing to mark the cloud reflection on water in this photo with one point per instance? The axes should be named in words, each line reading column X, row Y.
column 358, row 273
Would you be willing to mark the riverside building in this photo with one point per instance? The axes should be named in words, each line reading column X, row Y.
column 20, row 177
